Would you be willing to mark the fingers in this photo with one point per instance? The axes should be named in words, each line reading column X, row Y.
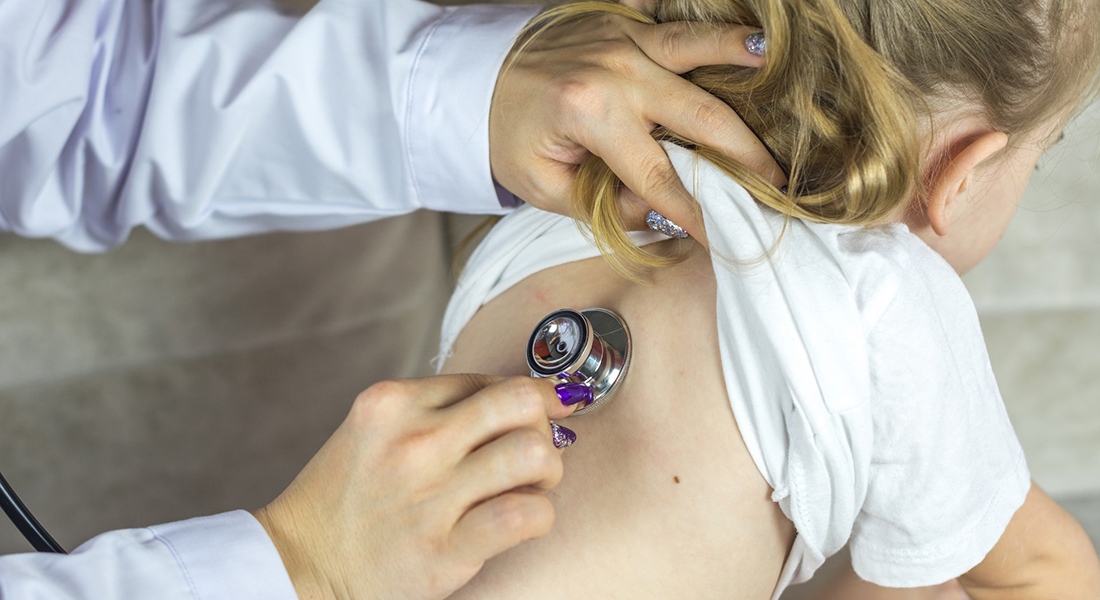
column 520, row 458
column 504, row 406
column 581, row 94
column 633, row 210
column 643, row 166
column 680, row 46
column 549, row 184
column 439, row 391
column 694, row 114
column 501, row 523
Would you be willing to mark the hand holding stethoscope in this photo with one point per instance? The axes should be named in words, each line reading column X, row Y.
column 423, row 482
column 427, row 479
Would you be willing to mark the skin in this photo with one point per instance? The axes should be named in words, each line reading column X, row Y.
column 427, row 479
column 975, row 188
column 424, row 481
column 661, row 499
column 611, row 81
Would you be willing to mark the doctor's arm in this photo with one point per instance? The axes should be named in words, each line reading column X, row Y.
column 1043, row 553
column 212, row 119
column 217, row 118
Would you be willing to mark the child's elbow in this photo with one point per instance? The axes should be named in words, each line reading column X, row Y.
column 1043, row 577
column 1044, row 553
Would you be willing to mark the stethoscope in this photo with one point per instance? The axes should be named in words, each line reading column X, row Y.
column 590, row 346
column 25, row 522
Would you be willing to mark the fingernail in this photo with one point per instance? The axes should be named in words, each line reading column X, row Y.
column 659, row 223
column 783, row 190
column 756, row 43
column 572, row 393
column 563, row 436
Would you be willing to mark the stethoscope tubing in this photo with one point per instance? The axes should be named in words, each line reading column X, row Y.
column 31, row 529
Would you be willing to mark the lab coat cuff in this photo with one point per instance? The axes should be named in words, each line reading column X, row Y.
column 227, row 556
column 449, row 98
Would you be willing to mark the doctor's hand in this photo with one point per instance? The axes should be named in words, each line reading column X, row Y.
column 600, row 85
column 422, row 483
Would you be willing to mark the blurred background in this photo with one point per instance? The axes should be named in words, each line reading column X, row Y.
column 164, row 381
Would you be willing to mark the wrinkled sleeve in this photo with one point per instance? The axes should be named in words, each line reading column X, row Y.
column 225, row 556
column 947, row 471
column 215, row 118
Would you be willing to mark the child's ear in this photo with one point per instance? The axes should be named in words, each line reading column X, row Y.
column 953, row 177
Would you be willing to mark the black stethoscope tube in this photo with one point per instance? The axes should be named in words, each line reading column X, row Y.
column 31, row 529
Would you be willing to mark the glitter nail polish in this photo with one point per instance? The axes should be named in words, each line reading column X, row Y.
column 659, row 223
column 563, row 436
column 756, row 43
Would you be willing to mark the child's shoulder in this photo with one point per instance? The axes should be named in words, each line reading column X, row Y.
column 891, row 270
column 947, row 469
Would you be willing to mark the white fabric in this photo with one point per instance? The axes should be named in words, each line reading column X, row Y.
column 227, row 556
column 856, row 370
column 216, row 118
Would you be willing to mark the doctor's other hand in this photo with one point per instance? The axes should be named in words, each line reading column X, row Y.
column 423, row 482
column 601, row 85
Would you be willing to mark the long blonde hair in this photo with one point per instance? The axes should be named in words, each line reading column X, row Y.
column 846, row 97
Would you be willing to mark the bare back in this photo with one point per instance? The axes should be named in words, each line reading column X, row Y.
column 660, row 498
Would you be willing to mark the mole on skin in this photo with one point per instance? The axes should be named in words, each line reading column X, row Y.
column 676, row 478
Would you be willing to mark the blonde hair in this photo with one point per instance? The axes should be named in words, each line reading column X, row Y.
column 849, row 89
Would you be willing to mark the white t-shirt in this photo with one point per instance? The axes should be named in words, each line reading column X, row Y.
column 856, row 370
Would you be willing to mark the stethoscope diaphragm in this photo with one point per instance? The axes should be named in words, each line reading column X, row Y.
column 590, row 346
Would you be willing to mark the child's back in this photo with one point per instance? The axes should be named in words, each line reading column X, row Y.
column 660, row 498
column 854, row 365
column 863, row 405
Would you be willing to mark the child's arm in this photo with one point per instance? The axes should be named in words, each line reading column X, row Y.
column 1044, row 553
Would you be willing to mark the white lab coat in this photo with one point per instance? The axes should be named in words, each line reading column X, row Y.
column 205, row 119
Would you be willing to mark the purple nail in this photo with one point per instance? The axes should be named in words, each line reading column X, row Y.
column 563, row 436
column 783, row 190
column 572, row 393
column 756, row 43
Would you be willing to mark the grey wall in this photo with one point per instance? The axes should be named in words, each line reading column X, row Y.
column 1038, row 295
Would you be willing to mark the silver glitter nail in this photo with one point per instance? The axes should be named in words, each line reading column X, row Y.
column 563, row 437
column 756, row 43
column 657, row 222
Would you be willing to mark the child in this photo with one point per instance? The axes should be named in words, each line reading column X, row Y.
column 830, row 318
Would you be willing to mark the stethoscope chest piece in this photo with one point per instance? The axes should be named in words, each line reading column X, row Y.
column 590, row 346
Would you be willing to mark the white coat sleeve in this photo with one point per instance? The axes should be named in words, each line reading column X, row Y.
column 216, row 118
column 223, row 557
